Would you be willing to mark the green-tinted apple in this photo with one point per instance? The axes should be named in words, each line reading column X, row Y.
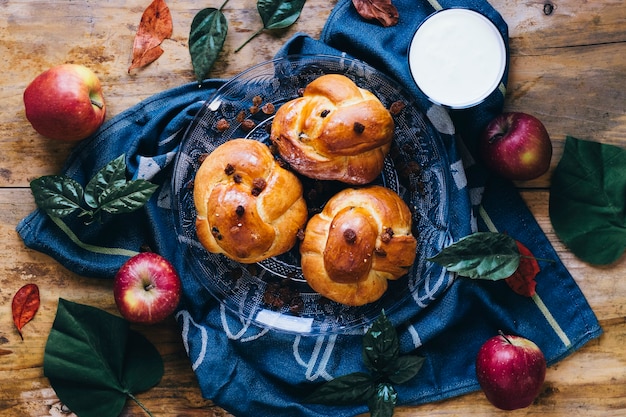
column 65, row 103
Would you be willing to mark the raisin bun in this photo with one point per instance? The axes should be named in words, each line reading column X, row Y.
column 248, row 207
column 360, row 240
column 335, row 131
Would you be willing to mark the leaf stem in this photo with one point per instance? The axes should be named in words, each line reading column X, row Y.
column 223, row 4
column 255, row 34
column 88, row 247
column 135, row 399
column 538, row 259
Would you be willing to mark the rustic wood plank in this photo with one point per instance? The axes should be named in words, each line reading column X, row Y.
column 567, row 67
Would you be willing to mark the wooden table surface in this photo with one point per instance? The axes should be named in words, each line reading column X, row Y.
column 568, row 68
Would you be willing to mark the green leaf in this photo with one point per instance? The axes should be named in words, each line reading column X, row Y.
column 95, row 362
column 57, row 195
column 405, row 368
column 383, row 403
column 111, row 176
column 276, row 14
column 381, row 346
column 279, row 14
column 127, row 197
column 108, row 191
column 484, row 255
column 588, row 200
column 206, row 40
column 349, row 389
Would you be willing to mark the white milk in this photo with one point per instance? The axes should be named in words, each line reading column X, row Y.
column 457, row 57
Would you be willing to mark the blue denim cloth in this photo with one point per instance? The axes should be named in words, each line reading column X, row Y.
column 251, row 371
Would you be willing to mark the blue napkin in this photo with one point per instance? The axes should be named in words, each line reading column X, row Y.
column 250, row 370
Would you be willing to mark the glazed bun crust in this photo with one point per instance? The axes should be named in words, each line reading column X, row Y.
column 335, row 131
column 248, row 207
column 360, row 240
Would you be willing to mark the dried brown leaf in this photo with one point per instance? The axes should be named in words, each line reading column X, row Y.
column 381, row 10
column 155, row 26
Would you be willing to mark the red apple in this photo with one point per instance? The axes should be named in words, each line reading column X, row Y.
column 146, row 288
column 516, row 146
column 65, row 103
column 510, row 370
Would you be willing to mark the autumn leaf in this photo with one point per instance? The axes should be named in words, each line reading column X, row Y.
column 523, row 279
column 25, row 305
column 381, row 10
column 155, row 26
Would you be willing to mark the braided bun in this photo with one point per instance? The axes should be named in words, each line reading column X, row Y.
column 248, row 207
column 360, row 240
column 335, row 131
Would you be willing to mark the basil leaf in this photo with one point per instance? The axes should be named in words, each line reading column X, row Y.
column 95, row 362
column 383, row 403
column 588, row 200
column 279, row 14
column 57, row 195
column 126, row 197
column 112, row 175
column 206, row 40
column 381, row 346
column 349, row 389
column 484, row 255
column 406, row 367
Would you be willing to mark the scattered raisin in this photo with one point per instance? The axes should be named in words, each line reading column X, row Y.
column 237, row 178
column 350, row 236
column 248, row 124
column 222, row 125
column 257, row 100
column 296, row 305
column 240, row 210
column 253, row 109
column 241, row 116
column 300, row 234
column 258, row 185
column 229, row 170
column 268, row 108
column 396, row 107
column 358, row 127
column 202, row 157
column 324, row 113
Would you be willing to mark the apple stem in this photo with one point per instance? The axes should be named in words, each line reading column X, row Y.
column 496, row 137
column 149, row 287
column 132, row 397
column 97, row 103
column 504, row 336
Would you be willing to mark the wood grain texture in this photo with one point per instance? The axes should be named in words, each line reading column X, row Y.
column 567, row 67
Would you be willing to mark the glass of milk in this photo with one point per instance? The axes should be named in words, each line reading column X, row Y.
column 457, row 58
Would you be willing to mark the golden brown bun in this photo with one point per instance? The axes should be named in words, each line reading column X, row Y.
column 361, row 239
column 335, row 131
column 248, row 207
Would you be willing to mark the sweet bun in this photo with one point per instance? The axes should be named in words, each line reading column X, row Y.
column 248, row 207
column 335, row 131
column 360, row 240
